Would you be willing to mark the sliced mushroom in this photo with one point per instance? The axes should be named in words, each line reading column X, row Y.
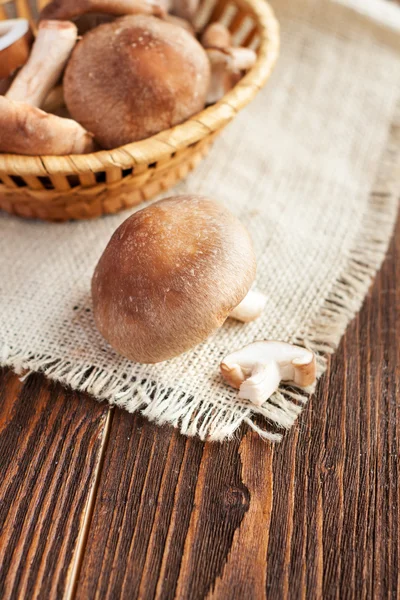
column 50, row 52
column 170, row 276
column 257, row 369
column 71, row 9
column 216, row 35
column 25, row 129
column 227, row 67
column 130, row 79
column 15, row 43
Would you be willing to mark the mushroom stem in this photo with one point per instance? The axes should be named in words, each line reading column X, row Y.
column 250, row 307
column 70, row 9
column 264, row 381
column 227, row 65
column 257, row 369
column 50, row 52
column 25, row 129
column 216, row 35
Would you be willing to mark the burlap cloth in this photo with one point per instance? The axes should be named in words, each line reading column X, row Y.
column 297, row 166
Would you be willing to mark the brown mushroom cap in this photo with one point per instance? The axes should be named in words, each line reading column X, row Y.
column 170, row 276
column 70, row 9
column 134, row 77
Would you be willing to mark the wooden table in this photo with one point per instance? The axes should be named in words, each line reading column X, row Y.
column 98, row 503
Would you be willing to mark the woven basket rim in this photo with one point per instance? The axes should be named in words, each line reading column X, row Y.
column 189, row 132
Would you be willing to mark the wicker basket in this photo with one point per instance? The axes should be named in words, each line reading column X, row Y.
column 59, row 188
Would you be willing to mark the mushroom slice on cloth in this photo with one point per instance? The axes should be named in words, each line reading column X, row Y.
column 130, row 79
column 170, row 276
column 257, row 369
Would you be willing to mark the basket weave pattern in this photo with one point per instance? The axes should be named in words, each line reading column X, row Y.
column 59, row 188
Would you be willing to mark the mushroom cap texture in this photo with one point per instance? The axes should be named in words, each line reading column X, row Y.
column 170, row 276
column 130, row 79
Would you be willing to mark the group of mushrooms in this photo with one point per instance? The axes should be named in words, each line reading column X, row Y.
column 173, row 272
column 128, row 69
column 171, row 275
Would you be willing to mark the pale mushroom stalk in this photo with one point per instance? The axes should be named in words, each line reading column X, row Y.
column 250, row 307
column 25, row 129
column 258, row 369
column 15, row 42
column 227, row 66
column 50, row 52
column 70, row 9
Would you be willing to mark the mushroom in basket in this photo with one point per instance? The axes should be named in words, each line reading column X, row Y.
column 24, row 128
column 258, row 369
column 125, row 80
column 228, row 62
column 130, row 79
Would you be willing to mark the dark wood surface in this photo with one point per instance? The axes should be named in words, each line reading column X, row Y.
column 98, row 503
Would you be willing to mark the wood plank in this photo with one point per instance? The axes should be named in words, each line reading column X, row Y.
column 137, row 512
column 50, row 446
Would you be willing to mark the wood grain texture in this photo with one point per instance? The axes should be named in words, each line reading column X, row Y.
column 49, row 448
